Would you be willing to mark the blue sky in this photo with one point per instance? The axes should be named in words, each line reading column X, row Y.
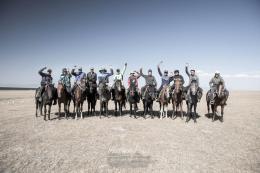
column 210, row 35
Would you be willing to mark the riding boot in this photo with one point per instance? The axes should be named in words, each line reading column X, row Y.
column 113, row 94
column 55, row 102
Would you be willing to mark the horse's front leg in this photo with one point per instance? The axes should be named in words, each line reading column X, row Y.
column 173, row 109
column 106, row 108
column 120, row 108
column 166, row 110
column 100, row 112
column 222, row 113
column 81, row 110
column 115, row 108
column 135, row 109
column 49, row 112
column 188, row 112
column 45, row 111
column 213, row 112
column 151, row 110
column 59, row 104
column 131, row 111
column 195, row 113
column 66, row 109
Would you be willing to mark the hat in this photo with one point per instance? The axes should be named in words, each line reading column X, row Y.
column 217, row 72
column 64, row 69
column 150, row 70
column 91, row 68
column 102, row 70
column 176, row 71
column 165, row 71
column 49, row 70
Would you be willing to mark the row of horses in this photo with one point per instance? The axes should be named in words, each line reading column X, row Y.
column 88, row 91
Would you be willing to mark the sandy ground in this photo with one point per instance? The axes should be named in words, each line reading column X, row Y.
column 124, row 144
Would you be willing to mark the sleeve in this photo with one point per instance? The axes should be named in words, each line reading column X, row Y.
column 159, row 70
column 111, row 73
column 95, row 78
column 41, row 72
column 123, row 71
column 128, row 82
column 198, row 81
column 223, row 82
column 211, row 81
column 141, row 74
column 187, row 71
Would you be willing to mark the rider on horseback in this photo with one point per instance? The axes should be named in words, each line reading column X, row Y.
column 79, row 75
column 193, row 78
column 133, row 82
column 103, row 77
column 65, row 79
column 149, row 81
column 92, row 77
column 118, row 77
column 215, row 82
column 46, row 80
column 176, row 77
column 166, row 79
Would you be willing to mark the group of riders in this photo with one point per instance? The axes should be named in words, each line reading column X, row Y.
column 103, row 78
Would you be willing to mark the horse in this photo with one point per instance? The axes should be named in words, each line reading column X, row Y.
column 91, row 97
column 104, row 97
column 119, row 96
column 79, row 98
column 38, row 103
column 133, row 98
column 192, row 101
column 63, row 97
column 47, row 99
column 177, row 98
column 215, row 99
column 164, row 97
column 149, row 97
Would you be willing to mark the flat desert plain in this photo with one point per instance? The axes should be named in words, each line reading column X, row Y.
column 124, row 144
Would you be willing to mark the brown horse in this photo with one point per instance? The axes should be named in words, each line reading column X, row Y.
column 164, row 97
column 177, row 98
column 63, row 97
column 133, row 98
column 217, row 97
column 104, row 97
column 79, row 98
column 91, row 97
column 47, row 99
column 119, row 96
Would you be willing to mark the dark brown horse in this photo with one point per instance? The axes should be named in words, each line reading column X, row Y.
column 217, row 98
column 104, row 97
column 119, row 96
column 177, row 98
column 79, row 98
column 47, row 99
column 164, row 97
column 63, row 97
column 193, row 95
column 133, row 98
column 149, row 97
column 91, row 97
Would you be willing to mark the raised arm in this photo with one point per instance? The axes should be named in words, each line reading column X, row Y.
column 138, row 74
column 141, row 73
column 159, row 70
column 124, row 69
column 41, row 71
column 187, row 71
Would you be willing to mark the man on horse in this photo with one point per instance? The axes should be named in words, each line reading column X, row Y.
column 118, row 77
column 216, row 81
column 133, row 80
column 65, row 80
column 79, row 75
column 46, row 80
column 103, row 77
column 149, row 81
column 92, row 77
column 193, row 78
column 166, row 79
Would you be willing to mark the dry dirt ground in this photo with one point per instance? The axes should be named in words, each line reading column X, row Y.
column 124, row 144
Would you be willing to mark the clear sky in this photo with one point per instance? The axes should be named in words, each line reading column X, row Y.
column 211, row 35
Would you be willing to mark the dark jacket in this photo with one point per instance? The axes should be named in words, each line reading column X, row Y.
column 46, row 78
column 149, row 80
column 92, row 77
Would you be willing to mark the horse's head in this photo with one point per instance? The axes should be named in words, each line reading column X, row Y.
column 178, row 86
column 118, row 85
column 151, row 92
column 48, row 89
column 212, row 96
column 193, row 88
column 220, row 90
column 60, row 89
